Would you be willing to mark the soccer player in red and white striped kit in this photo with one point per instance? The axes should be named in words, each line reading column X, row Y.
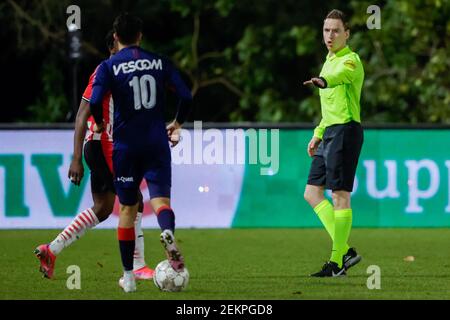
column 98, row 155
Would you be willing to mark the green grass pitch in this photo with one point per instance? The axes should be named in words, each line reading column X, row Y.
column 237, row 264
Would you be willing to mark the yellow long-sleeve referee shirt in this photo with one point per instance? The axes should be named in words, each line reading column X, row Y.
column 340, row 100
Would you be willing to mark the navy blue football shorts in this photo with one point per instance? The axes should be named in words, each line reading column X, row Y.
column 131, row 166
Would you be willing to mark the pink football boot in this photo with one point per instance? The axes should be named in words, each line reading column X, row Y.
column 47, row 260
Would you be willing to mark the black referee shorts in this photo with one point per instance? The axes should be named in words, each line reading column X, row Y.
column 334, row 164
column 102, row 180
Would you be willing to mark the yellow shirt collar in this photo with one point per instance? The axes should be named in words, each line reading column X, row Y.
column 340, row 53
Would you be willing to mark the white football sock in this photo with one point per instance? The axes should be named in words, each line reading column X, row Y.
column 75, row 230
column 139, row 257
column 129, row 282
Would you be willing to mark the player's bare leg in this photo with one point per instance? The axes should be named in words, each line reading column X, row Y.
column 314, row 194
column 341, row 199
column 126, row 236
column 166, row 221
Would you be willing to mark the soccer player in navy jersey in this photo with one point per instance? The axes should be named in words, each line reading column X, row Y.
column 138, row 80
column 98, row 155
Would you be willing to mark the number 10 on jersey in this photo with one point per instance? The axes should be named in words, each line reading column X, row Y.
column 144, row 89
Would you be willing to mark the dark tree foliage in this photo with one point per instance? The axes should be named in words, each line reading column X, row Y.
column 245, row 60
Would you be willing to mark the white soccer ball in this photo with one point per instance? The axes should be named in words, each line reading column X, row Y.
column 167, row 279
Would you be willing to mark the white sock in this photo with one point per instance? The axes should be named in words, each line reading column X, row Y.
column 128, row 275
column 139, row 258
column 75, row 230
column 128, row 278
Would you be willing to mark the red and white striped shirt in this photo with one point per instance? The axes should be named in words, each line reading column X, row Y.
column 108, row 115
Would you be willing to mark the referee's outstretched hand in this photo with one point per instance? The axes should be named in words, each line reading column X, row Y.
column 318, row 82
column 313, row 145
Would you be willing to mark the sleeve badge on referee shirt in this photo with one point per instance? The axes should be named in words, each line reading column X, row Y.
column 350, row 64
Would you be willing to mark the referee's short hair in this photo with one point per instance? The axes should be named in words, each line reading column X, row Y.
column 127, row 27
column 339, row 15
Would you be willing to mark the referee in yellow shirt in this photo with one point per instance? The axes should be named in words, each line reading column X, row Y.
column 336, row 144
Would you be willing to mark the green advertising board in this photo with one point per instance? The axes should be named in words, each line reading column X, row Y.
column 403, row 179
column 241, row 178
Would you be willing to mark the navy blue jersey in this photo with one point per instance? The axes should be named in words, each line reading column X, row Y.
column 138, row 80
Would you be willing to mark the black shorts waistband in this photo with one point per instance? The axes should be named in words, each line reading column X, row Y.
column 338, row 127
column 350, row 123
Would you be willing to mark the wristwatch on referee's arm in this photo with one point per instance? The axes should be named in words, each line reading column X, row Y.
column 320, row 82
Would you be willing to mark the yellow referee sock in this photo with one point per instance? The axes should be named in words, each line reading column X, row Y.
column 342, row 227
column 325, row 212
